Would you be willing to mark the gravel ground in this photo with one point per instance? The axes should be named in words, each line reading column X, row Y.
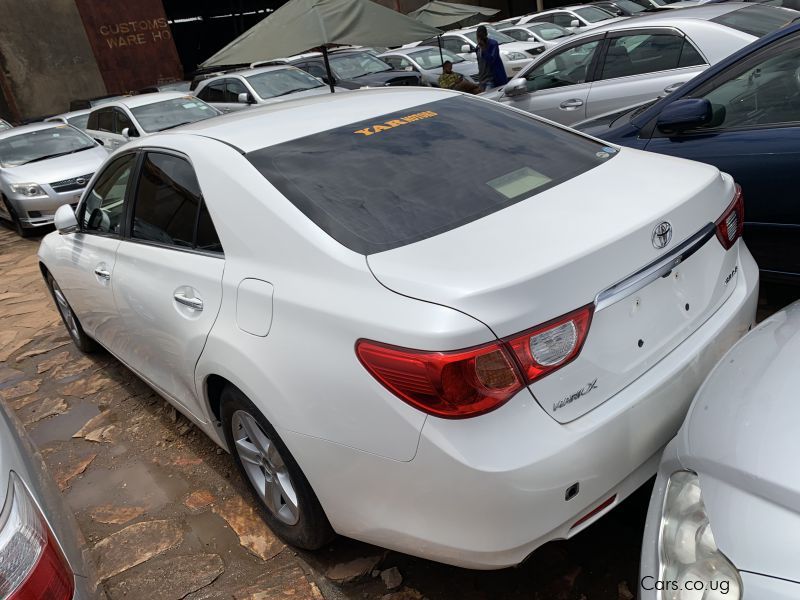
column 167, row 516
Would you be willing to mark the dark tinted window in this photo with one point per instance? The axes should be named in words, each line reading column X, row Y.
column 757, row 20
column 124, row 122
column 93, row 121
column 81, row 121
column 207, row 238
column 101, row 211
column 565, row 19
column 168, row 199
column 233, row 88
column 406, row 176
column 105, row 120
column 213, row 92
column 690, row 57
column 642, row 53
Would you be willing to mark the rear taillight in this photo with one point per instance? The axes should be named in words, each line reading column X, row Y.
column 32, row 566
column 471, row 382
column 552, row 345
column 453, row 385
column 731, row 223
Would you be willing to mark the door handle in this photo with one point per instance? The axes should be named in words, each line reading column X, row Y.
column 571, row 104
column 193, row 303
column 102, row 273
column 671, row 88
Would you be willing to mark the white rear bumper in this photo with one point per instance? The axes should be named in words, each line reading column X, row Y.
column 484, row 493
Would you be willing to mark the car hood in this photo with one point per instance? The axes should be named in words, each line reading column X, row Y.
column 741, row 438
column 56, row 169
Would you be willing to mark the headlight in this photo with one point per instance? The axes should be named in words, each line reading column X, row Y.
column 690, row 561
column 516, row 56
column 28, row 189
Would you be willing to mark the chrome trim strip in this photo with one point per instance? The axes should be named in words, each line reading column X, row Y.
column 658, row 268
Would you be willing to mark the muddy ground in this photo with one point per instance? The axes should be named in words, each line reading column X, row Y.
column 168, row 517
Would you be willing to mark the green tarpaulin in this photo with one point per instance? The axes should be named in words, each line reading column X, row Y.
column 300, row 25
column 444, row 14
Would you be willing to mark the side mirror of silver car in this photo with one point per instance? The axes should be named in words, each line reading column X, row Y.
column 574, row 23
column 65, row 220
column 516, row 87
column 244, row 98
column 466, row 49
column 126, row 133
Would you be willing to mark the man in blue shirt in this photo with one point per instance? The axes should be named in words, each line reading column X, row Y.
column 491, row 72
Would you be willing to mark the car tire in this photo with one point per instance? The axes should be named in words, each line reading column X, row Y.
column 21, row 231
column 288, row 504
column 70, row 319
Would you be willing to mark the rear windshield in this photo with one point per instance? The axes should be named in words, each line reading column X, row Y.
column 757, row 20
column 407, row 176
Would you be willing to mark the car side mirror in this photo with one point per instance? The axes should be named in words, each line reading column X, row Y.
column 244, row 98
column 126, row 133
column 516, row 87
column 65, row 220
column 466, row 49
column 684, row 114
column 574, row 23
column 532, row 39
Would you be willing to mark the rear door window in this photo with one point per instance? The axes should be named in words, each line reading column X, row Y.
column 413, row 174
column 105, row 120
column 646, row 53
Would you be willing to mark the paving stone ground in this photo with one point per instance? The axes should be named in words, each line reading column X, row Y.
column 167, row 516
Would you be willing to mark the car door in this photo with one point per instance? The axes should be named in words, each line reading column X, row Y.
column 639, row 65
column 558, row 86
column 168, row 277
column 755, row 136
column 85, row 268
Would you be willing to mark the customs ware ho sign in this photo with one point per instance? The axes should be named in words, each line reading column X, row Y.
column 132, row 43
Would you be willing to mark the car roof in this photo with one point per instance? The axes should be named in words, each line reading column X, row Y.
column 30, row 128
column 248, row 72
column 258, row 127
column 72, row 113
column 143, row 100
column 562, row 8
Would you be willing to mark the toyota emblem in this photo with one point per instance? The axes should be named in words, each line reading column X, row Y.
column 662, row 234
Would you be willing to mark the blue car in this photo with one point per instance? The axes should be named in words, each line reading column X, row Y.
column 742, row 116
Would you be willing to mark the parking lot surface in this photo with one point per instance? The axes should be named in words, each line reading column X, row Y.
column 167, row 516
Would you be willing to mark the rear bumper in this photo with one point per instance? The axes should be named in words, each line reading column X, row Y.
column 484, row 493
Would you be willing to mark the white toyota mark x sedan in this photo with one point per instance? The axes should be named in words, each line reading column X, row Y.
column 416, row 318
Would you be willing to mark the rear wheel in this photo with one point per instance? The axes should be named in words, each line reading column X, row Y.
column 289, row 505
column 14, row 219
column 71, row 322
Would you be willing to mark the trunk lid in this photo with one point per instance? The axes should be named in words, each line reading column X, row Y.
column 563, row 248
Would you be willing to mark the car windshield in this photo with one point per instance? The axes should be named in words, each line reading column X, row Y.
column 592, row 14
column 497, row 36
column 167, row 114
column 629, row 6
column 271, row 84
column 34, row 146
column 757, row 20
column 549, row 31
column 80, row 121
column 424, row 175
column 357, row 64
column 429, row 58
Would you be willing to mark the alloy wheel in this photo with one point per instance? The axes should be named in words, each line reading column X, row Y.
column 265, row 468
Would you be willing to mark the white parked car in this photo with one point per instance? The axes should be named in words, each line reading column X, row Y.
column 577, row 18
column 116, row 123
column 548, row 34
column 515, row 55
column 76, row 118
column 459, row 365
column 264, row 85
column 427, row 61
column 635, row 60
column 724, row 518
column 43, row 166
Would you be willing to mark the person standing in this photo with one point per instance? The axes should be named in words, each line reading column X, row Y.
column 491, row 71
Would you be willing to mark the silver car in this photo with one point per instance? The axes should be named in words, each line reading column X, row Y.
column 43, row 166
column 40, row 552
column 549, row 34
column 76, row 118
column 635, row 60
column 724, row 516
column 427, row 61
column 234, row 91
column 577, row 18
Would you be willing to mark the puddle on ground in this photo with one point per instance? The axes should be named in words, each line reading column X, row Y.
column 209, row 533
column 138, row 484
column 62, row 427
